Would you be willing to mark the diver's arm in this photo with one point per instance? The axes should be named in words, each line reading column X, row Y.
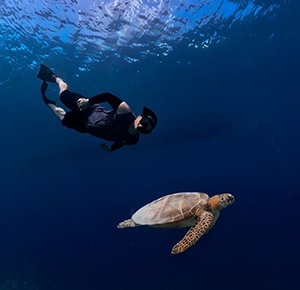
column 123, row 109
column 117, row 104
column 111, row 99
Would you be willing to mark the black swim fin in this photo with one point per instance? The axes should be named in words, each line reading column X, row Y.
column 46, row 74
column 43, row 91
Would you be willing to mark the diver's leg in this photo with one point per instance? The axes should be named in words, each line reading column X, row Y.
column 58, row 112
column 69, row 99
column 62, row 85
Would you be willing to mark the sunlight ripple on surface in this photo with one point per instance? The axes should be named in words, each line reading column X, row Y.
column 101, row 29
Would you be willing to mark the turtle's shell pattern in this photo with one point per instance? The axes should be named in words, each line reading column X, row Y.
column 171, row 208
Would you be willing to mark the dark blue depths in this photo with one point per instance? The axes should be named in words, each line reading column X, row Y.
column 228, row 122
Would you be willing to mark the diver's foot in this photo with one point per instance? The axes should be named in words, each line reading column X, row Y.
column 62, row 85
column 58, row 112
column 44, row 87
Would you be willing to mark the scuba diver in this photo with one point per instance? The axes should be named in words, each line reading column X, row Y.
column 119, row 125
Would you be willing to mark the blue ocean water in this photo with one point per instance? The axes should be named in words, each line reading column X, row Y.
column 223, row 78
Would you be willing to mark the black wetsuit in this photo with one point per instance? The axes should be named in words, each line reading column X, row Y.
column 97, row 121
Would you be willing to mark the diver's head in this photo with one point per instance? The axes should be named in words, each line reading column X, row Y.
column 147, row 122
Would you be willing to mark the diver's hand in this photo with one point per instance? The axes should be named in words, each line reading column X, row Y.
column 105, row 147
column 83, row 104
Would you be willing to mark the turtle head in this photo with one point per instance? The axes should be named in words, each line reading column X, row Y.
column 226, row 199
column 221, row 201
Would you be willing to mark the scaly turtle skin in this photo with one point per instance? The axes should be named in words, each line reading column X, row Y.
column 179, row 210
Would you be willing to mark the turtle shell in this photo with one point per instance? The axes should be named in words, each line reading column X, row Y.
column 171, row 208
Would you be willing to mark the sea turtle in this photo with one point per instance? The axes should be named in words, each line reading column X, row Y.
column 178, row 210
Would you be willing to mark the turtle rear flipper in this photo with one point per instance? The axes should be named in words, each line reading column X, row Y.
column 127, row 224
column 201, row 227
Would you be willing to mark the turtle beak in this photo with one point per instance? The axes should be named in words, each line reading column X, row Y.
column 231, row 198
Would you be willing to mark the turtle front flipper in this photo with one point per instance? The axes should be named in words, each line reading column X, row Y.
column 194, row 233
column 127, row 224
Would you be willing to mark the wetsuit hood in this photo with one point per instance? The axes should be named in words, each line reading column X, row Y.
column 148, row 117
column 151, row 115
